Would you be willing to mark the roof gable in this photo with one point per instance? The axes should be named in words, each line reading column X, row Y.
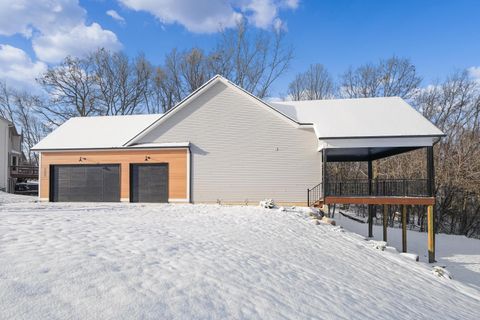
column 204, row 88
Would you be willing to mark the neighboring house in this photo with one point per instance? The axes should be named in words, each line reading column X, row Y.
column 11, row 154
column 222, row 144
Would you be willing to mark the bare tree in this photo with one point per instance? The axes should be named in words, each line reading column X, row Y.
column 252, row 60
column 454, row 107
column 314, row 84
column 33, row 128
column 20, row 107
column 6, row 103
column 71, row 87
column 194, row 69
column 122, row 83
column 387, row 78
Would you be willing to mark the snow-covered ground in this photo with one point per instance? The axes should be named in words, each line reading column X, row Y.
column 126, row 261
column 459, row 254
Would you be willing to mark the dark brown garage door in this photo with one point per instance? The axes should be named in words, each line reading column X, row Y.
column 75, row 183
column 149, row 182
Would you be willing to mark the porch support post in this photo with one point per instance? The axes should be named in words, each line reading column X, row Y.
column 430, row 172
column 404, row 228
column 324, row 172
column 370, row 207
column 431, row 235
column 385, row 221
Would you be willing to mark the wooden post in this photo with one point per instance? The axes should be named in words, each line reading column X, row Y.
column 370, row 207
column 404, row 228
column 431, row 234
column 430, row 172
column 385, row 221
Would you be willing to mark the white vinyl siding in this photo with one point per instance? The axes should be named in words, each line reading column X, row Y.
column 241, row 150
column 4, row 139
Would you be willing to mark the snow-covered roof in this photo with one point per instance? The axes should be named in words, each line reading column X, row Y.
column 161, row 145
column 96, row 132
column 331, row 119
column 366, row 117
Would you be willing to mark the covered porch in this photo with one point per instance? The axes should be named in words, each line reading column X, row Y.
column 374, row 191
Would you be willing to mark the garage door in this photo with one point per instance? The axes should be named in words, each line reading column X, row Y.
column 149, row 182
column 96, row 183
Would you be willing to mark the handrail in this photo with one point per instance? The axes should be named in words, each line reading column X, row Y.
column 314, row 194
column 378, row 187
column 369, row 188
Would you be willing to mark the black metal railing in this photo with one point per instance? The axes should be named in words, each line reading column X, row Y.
column 315, row 194
column 369, row 188
column 378, row 188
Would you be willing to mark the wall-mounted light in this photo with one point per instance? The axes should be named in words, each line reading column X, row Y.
column 147, row 158
column 82, row 159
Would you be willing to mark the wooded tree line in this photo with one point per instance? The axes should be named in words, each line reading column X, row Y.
column 112, row 83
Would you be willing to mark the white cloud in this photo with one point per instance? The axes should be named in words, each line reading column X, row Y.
column 196, row 16
column 17, row 69
column 210, row 16
column 76, row 41
column 26, row 17
column 114, row 14
column 54, row 22
column 474, row 72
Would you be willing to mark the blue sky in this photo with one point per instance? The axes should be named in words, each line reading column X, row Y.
column 439, row 36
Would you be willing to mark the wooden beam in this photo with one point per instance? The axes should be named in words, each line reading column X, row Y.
column 385, row 221
column 404, row 228
column 420, row 201
column 431, row 235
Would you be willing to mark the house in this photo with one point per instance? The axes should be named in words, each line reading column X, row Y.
column 222, row 144
column 11, row 155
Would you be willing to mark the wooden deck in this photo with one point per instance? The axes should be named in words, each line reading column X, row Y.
column 24, row 171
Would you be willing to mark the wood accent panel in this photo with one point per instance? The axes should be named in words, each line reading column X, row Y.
column 381, row 200
column 176, row 159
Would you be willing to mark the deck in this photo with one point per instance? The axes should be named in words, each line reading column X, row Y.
column 373, row 191
column 24, row 172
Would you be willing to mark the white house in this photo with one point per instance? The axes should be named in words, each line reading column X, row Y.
column 10, row 154
column 222, row 144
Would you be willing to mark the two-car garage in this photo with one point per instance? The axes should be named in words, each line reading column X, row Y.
column 101, row 183
column 157, row 175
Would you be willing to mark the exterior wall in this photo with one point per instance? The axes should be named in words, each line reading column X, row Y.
column 176, row 159
column 242, row 151
column 4, row 138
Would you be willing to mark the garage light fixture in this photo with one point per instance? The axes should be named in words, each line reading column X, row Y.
column 82, row 158
column 147, row 158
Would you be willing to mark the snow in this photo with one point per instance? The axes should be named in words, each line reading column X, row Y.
column 96, row 132
column 161, row 145
column 380, row 117
column 460, row 255
column 180, row 261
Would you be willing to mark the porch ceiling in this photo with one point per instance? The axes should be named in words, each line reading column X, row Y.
column 365, row 153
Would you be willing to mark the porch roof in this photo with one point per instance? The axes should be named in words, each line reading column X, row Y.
column 384, row 117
